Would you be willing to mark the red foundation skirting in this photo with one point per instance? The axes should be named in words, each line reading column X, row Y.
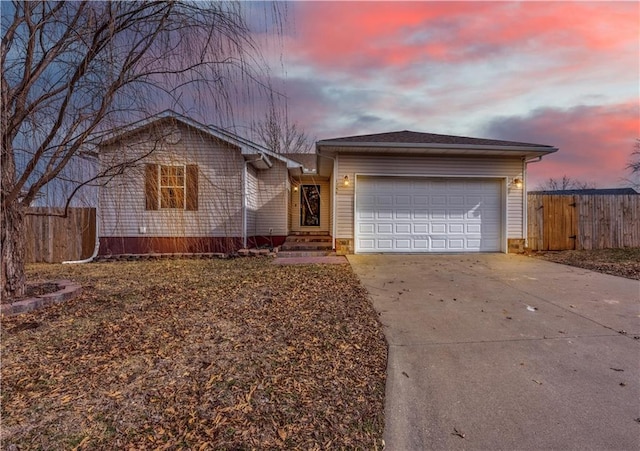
column 172, row 245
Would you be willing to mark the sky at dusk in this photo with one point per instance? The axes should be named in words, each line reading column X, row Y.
column 565, row 74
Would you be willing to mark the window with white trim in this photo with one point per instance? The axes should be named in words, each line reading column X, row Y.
column 171, row 187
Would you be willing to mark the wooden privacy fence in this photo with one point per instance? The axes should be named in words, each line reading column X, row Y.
column 561, row 222
column 53, row 239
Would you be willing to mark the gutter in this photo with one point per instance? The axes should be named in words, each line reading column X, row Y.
column 546, row 149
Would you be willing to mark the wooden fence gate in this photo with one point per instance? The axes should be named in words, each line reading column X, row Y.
column 563, row 222
column 54, row 239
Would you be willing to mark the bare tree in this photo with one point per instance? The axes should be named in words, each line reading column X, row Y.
column 280, row 135
column 634, row 165
column 564, row 184
column 72, row 71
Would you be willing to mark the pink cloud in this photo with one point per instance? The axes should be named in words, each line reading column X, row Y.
column 367, row 35
column 595, row 142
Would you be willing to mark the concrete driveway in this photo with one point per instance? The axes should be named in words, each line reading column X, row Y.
column 494, row 351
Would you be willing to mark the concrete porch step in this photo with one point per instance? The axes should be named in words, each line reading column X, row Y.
column 307, row 243
column 305, row 246
column 307, row 253
column 294, row 234
column 308, row 239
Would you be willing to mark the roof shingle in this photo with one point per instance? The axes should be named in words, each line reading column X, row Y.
column 409, row 137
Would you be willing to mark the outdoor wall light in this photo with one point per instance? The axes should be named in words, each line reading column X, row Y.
column 345, row 180
column 295, row 188
column 517, row 182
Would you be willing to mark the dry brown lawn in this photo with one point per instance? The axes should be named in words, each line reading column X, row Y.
column 618, row 262
column 196, row 354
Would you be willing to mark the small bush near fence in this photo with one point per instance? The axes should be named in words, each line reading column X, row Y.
column 583, row 222
column 53, row 239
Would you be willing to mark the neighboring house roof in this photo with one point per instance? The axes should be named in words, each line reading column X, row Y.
column 605, row 192
column 416, row 142
column 309, row 161
column 246, row 146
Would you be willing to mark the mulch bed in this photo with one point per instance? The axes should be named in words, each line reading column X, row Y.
column 196, row 354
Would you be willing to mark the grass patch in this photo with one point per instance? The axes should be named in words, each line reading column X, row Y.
column 224, row 354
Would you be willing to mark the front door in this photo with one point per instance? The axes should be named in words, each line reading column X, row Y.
column 310, row 205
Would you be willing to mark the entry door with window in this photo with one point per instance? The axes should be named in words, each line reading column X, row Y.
column 310, row 205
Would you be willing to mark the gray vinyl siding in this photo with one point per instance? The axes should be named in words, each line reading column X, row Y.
column 426, row 166
column 219, row 214
column 271, row 216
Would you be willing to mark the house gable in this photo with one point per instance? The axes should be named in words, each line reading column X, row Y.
column 420, row 192
column 214, row 177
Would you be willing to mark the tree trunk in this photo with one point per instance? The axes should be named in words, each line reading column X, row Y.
column 13, row 235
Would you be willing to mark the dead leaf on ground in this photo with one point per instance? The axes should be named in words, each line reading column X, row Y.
column 196, row 354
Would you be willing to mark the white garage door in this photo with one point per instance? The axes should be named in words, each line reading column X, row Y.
column 400, row 214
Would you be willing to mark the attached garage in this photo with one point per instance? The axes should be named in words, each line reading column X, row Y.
column 411, row 192
column 428, row 214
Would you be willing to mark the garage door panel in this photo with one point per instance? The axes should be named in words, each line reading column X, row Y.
column 367, row 200
column 403, row 228
column 384, row 200
column 438, row 200
column 438, row 228
column 456, row 229
column 438, row 244
column 385, row 244
column 420, row 200
column 455, row 201
column 366, row 244
column 421, row 245
column 404, row 200
column 473, row 228
column 474, row 243
column 383, row 229
column 366, row 228
column 403, row 214
column 403, row 245
column 420, row 229
column 456, row 244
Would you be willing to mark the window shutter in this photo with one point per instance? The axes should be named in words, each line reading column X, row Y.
column 192, row 187
column 151, row 184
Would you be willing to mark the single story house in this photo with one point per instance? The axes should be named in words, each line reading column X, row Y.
column 190, row 187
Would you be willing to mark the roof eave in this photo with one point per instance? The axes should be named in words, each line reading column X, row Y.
column 247, row 147
column 417, row 148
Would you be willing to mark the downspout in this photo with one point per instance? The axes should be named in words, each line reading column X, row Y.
column 244, row 205
column 525, row 214
column 95, row 249
column 333, row 199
